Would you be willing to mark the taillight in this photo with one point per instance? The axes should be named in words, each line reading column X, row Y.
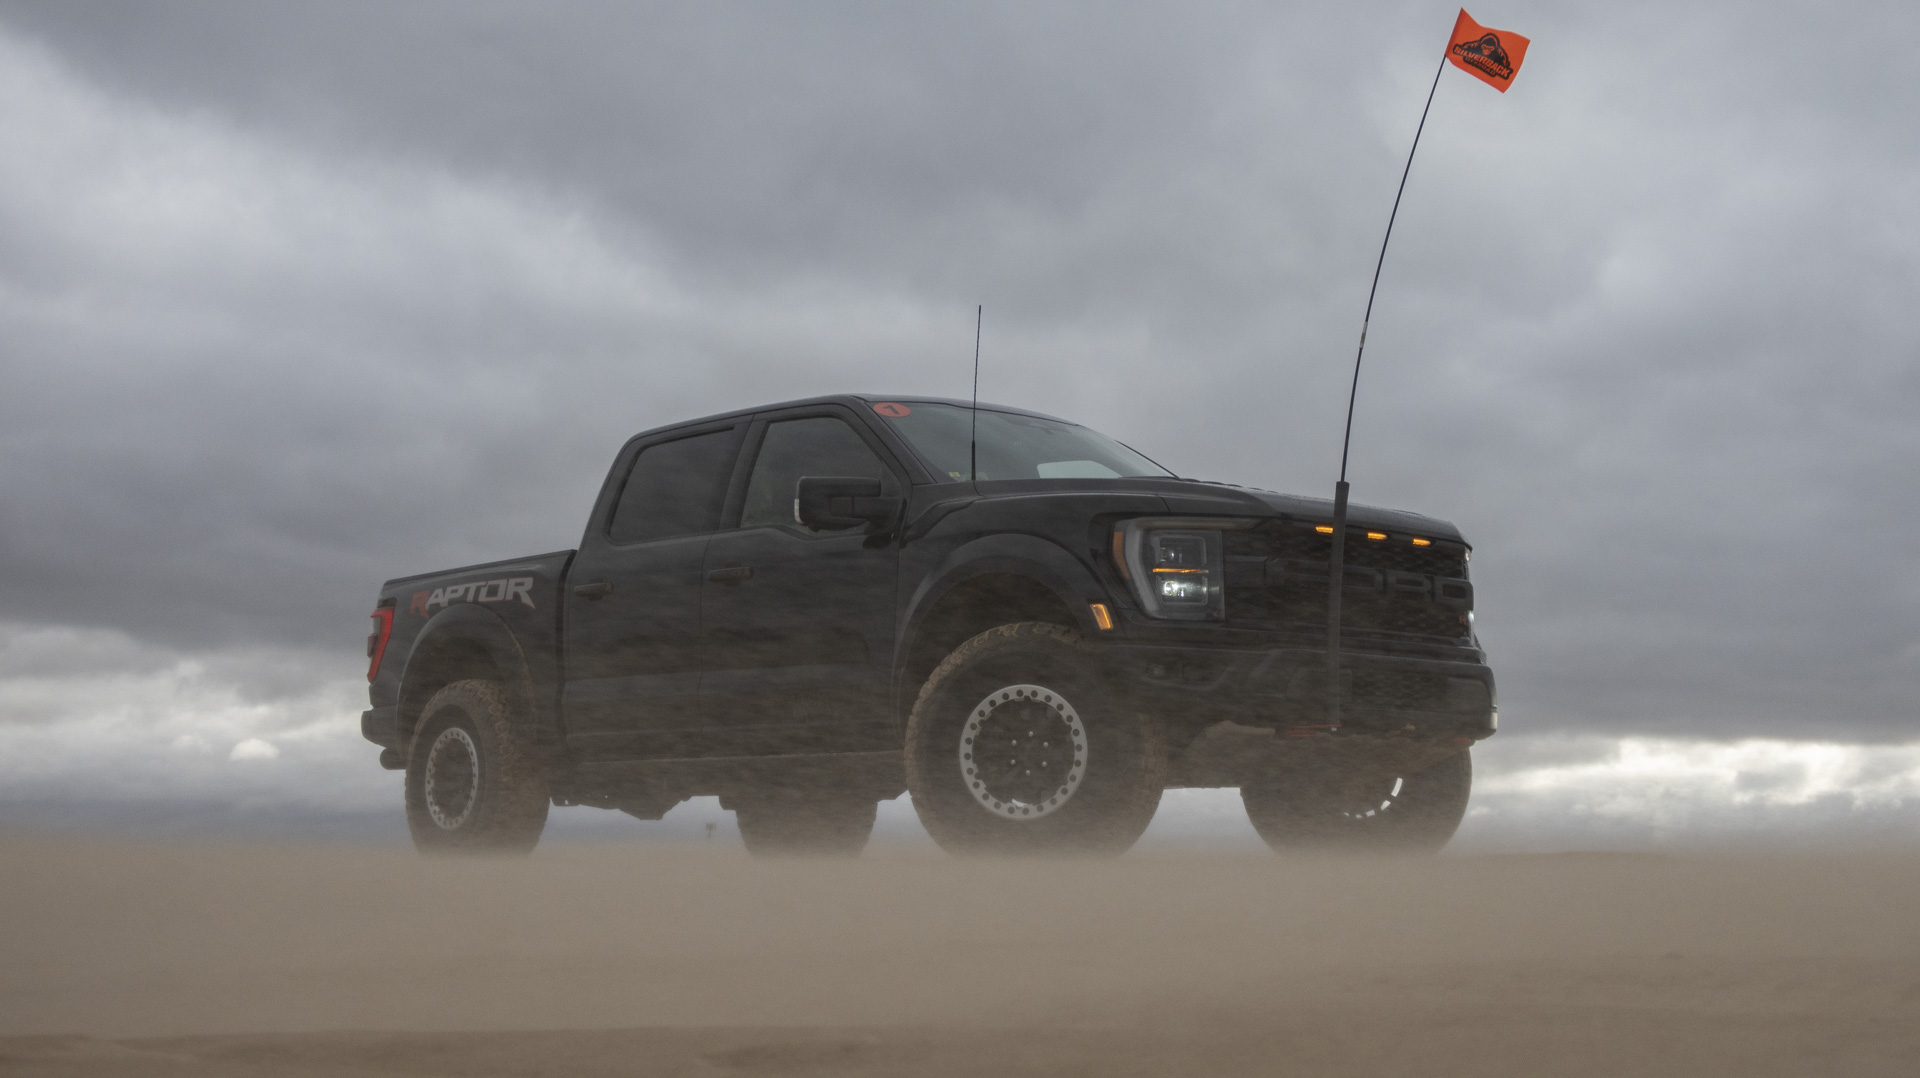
column 377, row 640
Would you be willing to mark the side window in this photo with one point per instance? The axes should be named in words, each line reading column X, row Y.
column 793, row 448
column 675, row 488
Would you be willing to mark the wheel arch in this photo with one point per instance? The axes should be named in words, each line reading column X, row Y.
column 992, row 581
column 462, row 641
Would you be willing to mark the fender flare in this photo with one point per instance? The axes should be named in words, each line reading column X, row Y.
column 1030, row 556
column 470, row 623
column 1046, row 563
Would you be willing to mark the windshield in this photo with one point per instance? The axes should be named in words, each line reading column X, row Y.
column 1011, row 446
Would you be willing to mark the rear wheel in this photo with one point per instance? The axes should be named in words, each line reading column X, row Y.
column 1373, row 812
column 817, row 823
column 474, row 783
column 1016, row 745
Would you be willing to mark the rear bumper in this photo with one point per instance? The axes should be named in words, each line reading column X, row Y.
column 1285, row 689
column 381, row 726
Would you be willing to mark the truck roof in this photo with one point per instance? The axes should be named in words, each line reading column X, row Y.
column 853, row 400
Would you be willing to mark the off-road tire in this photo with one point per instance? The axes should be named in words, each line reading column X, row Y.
column 474, row 781
column 1043, row 679
column 1335, row 813
column 806, row 823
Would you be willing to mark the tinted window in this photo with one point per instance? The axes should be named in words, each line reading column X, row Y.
column 675, row 488
column 819, row 446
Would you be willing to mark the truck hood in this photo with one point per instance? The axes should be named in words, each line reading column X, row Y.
column 1202, row 498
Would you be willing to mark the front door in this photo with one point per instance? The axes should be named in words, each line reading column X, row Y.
column 633, row 648
column 800, row 623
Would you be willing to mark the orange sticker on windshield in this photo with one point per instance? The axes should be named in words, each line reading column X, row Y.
column 892, row 410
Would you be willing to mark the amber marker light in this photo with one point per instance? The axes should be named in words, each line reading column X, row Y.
column 1323, row 529
column 1376, row 535
column 1423, row 542
column 1101, row 615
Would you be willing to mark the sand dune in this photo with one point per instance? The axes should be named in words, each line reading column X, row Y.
column 125, row 959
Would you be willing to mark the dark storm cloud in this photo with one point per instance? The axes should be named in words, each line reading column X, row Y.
column 298, row 297
column 745, row 135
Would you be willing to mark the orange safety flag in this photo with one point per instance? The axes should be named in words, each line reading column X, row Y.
column 1492, row 56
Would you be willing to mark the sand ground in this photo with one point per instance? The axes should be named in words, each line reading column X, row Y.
column 228, row 960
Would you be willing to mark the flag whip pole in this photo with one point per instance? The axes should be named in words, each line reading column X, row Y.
column 1337, row 564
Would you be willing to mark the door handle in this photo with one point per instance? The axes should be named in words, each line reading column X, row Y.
column 599, row 589
column 732, row 574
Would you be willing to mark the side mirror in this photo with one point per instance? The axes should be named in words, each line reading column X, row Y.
column 824, row 502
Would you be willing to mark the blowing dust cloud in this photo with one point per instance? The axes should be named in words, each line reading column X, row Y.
column 393, row 466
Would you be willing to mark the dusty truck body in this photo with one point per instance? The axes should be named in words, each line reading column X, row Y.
column 811, row 607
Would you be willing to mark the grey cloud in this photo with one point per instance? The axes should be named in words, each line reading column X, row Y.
column 299, row 297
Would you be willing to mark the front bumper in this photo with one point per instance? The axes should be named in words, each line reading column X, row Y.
column 1285, row 689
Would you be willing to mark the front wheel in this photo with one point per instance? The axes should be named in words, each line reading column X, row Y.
column 1381, row 812
column 474, row 783
column 1017, row 745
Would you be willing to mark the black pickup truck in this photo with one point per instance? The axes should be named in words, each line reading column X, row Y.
column 808, row 608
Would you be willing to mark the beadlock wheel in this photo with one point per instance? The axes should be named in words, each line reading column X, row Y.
column 453, row 776
column 1414, row 812
column 1019, row 744
column 475, row 782
column 1023, row 751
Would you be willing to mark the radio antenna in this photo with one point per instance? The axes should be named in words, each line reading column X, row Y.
column 973, row 435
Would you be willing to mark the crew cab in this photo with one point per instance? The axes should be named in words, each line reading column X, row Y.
column 811, row 607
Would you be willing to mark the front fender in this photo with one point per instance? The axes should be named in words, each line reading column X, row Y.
column 1047, row 563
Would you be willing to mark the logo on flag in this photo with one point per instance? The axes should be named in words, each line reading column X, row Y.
column 1486, row 56
column 1492, row 56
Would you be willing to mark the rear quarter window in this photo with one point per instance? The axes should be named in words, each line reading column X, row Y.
column 675, row 488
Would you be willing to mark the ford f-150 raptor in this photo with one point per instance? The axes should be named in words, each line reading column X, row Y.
column 811, row 607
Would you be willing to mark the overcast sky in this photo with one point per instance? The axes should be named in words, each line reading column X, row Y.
column 298, row 297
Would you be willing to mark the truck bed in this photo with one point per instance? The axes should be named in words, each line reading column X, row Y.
column 520, row 597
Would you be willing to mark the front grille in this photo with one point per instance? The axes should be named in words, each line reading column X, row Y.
column 1277, row 579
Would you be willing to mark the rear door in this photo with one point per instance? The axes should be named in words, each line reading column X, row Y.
column 799, row 623
column 633, row 648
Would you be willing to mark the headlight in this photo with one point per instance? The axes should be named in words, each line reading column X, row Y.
column 1177, row 567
